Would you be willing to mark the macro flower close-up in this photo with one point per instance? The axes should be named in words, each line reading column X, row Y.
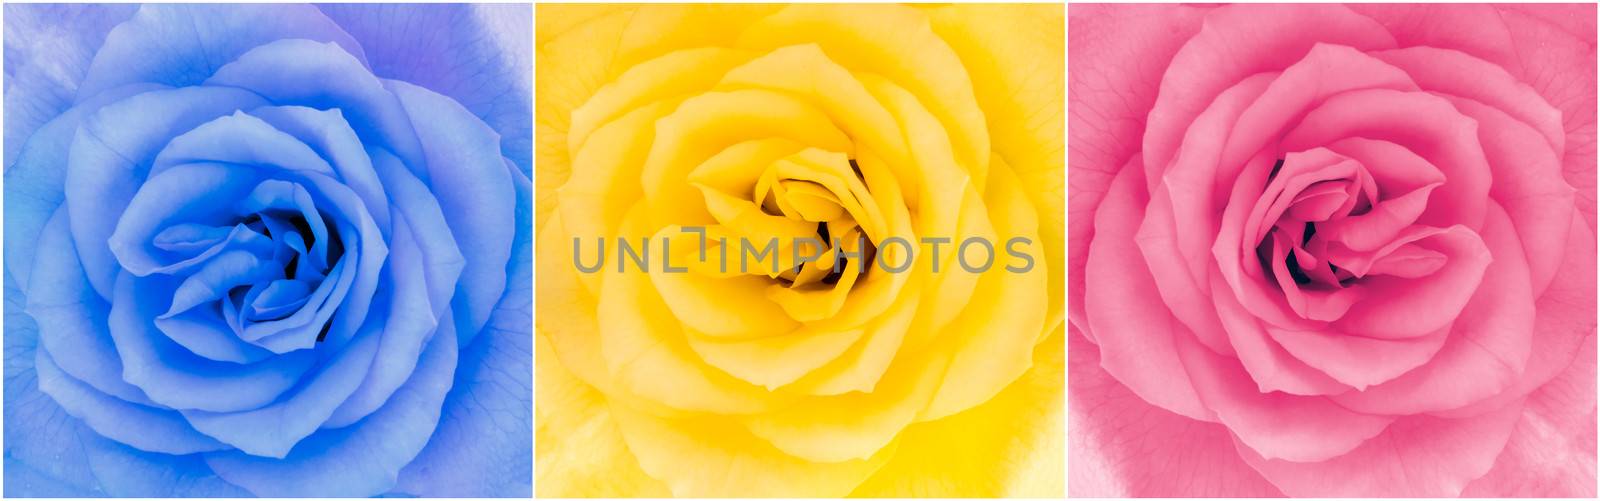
column 1323, row 250
column 272, row 250
column 799, row 250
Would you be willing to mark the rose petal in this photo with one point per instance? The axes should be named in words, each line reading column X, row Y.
column 489, row 394
column 488, row 48
column 1238, row 41
column 1487, row 349
column 181, row 45
column 138, row 426
column 45, row 75
column 1551, row 451
column 1008, row 446
column 1122, row 302
column 178, row 379
column 1424, row 123
column 699, row 457
column 1122, row 446
column 1473, row 29
column 110, row 159
column 1416, row 456
column 356, row 460
column 72, row 318
column 1275, row 424
column 1109, row 107
column 330, row 135
column 1528, row 185
column 35, row 181
column 468, row 177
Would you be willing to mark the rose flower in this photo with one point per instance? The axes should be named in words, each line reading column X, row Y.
column 1328, row 250
column 902, row 334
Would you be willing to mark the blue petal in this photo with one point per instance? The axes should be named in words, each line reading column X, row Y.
column 50, row 453
column 300, row 330
column 181, row 253
column 480, row 55
column 125, row 472
column 38, row 433
column 469, row 179
column 421, row 240
column 34, row 183
column 218, row 276
column 206, row 333
column 322, row 76
column 240, row 139
column 283, row 195
column 482, row 446
column 415, row 205
column 279, row 298
column 144, row 428
column 23, row 481
column 182, row 380
column 327, row 132
column 182, row 44
column 193, row 193
column 364, row 255
column 359, row 460
column 72, row 318
column 272, row 430
column 190, row 237
column 406, row 326
column 48, row 49
column 111, row 154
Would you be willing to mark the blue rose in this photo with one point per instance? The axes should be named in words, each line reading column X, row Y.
column 275, row 250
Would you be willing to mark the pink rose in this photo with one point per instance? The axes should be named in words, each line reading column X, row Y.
column 1324, row 250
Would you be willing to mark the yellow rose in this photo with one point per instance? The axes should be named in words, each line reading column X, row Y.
column 876, row 139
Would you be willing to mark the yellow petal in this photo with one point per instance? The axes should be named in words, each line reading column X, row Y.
column 711, row 122
column 854, row 425
column 1011, row 446
column 646, row 352
column 572, row 64
column 863, row 365
column 581, row 451
column 715, row 457
column 896, row 42
column 672, row 75
column 1015, row 54
column 774, row 361
column 997, row 329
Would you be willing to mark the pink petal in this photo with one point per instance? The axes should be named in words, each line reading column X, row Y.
column 1118, row 55
column 1238, row 41
column 1486, row 351
column 1417, row 456
column 1379, row 227
column 1528, row 184
column 1552, row 450
column 1566, row 313
column 1120, row 446
column 1440, row 70
column 1474, row 29
column 1325, row 71
column 1195, row 187
column 1265, row 362
column 1135, row 330
column 1393, row 167
column 1275, row 424
column 1427, row 125
column 1197, row 184
column 1359, row 361
column 1395, row 307
column 1189, row 303
column 1561, row 67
